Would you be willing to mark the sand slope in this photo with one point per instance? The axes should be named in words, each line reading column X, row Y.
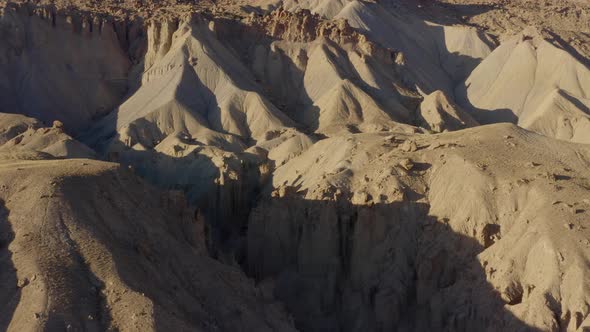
column 347, row 164
column 21, row 134
column 93, row 248
column 516, row 81
column 436, row 56
column 383, row 222
column 192, row 84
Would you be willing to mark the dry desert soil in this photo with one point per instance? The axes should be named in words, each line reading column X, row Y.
column 295, row 165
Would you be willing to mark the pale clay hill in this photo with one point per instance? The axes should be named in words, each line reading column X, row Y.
column 313, row 165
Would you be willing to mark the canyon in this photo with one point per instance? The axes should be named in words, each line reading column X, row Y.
column 312, row 165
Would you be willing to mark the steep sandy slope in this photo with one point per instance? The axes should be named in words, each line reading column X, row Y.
column 58, row 67
column 563, row 116
column 323, row 74
column 21, row 134
column 87, row 246
column 12, row 125
column 514, row 83
column 197, row 78
column 345, row 104
column 435, row 55
column 52, row 141
column 563, row 22
column 195, row 112
column 304, row 145
column 193, row 84
column 201, row 103
column 481, row 229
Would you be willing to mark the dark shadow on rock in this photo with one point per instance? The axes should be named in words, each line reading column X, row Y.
column 73, row 294
column 10, row 294
column 285, row 87
column 223, row 198
column 559, row 42
column 245, row 41
column 197, row 100
column 337, row 266
column 429, row 63
column 560, row 177
column 154, row 246
column 79, row 94
column 581, row 106
column 446, row 13
column 483, row 116
column 385, row 267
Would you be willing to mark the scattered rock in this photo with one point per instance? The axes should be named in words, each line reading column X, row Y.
column 408, row 146
column 284, row 191
column 58, row 125
column 361, row 198
column 513, row 293
column 21, row 283
column 407, row 164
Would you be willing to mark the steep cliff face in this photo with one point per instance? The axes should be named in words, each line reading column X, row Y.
column 305, row 26
column 436, row 55
column 323, row 74
column 427, row 234
column 336, row 265
column 209, row 110
column 332, row 151
column 55, row 66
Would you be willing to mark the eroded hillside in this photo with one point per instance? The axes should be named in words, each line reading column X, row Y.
column 333, row 165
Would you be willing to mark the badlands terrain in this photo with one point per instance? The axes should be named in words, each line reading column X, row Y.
column 284, row 165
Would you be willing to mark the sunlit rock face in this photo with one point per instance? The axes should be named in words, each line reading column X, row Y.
column 294, row 165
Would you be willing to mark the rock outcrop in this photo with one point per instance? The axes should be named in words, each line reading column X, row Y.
column 88, row 246
column 56, row 66
column 363, row 244
column 320, row 165
column 438, row 113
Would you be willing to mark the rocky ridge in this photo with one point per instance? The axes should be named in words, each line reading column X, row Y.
column 332, row 155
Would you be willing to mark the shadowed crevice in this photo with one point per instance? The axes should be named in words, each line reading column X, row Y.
column 10, row 294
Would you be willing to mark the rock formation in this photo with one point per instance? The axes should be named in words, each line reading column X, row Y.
column 333, row 165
